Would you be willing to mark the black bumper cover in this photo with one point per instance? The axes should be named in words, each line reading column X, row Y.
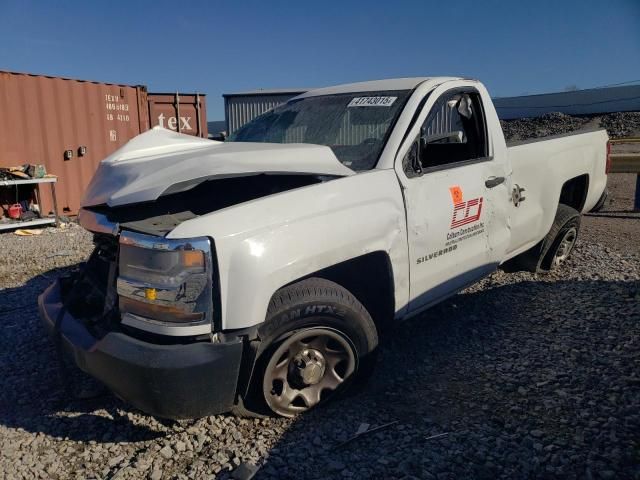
column 171, row 381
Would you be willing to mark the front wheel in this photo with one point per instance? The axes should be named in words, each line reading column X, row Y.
column 308, row 367
column 317, row 340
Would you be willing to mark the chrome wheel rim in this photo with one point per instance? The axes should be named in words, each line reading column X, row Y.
column 565, row 246
column 306, row 368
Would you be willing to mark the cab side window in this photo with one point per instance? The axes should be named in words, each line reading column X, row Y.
column 454, row 131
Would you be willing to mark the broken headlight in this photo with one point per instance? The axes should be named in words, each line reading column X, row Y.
column 164, row 285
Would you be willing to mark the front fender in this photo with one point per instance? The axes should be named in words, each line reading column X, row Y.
column 265, row 244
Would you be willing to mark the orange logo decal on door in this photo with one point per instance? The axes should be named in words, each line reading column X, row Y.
column 456, row 194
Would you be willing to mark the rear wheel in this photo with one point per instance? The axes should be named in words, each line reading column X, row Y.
column 318, row 338
column 555, row 248
column 565, row 243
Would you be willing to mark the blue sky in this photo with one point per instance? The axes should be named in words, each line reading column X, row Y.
column 515, row 47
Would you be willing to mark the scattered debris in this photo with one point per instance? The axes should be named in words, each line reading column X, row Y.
column 63, row 253
column 437, row 436
column 23, row 232
column 23, row 172
column 362, row 428
column 360, row 432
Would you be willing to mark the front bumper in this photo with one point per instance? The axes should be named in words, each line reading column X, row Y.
column 171, row 381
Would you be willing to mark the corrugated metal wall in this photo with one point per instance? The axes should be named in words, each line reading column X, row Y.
column 348, row 134
column 443, row 120
column 355, row 133
column 42, row 117
column 240, row 109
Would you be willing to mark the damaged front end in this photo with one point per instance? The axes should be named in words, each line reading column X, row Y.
column 138, row 316
column 160, row 216
column 136, row 283
column 143, row 314
column 86, row 291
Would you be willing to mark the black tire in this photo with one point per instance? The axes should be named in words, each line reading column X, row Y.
column 540, row 259
column 311, row 305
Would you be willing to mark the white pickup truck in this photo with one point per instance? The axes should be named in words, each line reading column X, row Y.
column 256, row 275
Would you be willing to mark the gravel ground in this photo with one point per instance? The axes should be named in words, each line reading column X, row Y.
column 528, row 376
column 25, row 257
column 520, row 376
column 616, row 226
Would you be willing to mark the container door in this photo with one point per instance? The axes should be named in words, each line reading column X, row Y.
column 180, row 113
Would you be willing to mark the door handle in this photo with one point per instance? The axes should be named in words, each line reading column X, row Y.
column 493, row 182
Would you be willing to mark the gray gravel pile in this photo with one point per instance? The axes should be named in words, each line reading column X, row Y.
column 527, row 376
column 544, row 126
column 621, row 124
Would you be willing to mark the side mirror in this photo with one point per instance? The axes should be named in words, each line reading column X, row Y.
column 411, row 162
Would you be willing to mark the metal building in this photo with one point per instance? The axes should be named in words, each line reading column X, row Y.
column 591, row 101
column 242, row 107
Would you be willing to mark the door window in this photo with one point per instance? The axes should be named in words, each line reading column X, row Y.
column 454, row 131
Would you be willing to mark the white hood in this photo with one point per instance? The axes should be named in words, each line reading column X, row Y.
column 161, row 161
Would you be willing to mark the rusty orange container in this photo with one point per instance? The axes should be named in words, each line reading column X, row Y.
column 181, row 112
column 67, row 125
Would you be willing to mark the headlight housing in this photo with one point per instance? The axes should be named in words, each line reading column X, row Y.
column 164, row 285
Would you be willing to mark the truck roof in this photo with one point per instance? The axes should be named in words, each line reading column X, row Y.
column 407, row 83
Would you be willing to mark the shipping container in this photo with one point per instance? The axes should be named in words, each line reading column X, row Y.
column 184, row 113
column 241, row 108
column 67, row 125
column 70, row 125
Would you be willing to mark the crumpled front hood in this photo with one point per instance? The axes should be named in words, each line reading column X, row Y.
column 160, row 161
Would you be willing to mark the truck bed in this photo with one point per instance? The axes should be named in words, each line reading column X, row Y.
column 542, row 166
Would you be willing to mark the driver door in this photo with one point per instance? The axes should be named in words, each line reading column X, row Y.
column 448, row 183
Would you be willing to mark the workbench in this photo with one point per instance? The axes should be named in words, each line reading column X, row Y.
column 37, row 221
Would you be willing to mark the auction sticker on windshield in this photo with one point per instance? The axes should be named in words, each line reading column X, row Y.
column 372, row 101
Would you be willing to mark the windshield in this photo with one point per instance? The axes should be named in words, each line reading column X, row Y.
column 354, row 125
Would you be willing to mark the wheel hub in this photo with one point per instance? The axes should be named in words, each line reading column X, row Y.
column 306, row 368
column 309, row 366
column 565, row 247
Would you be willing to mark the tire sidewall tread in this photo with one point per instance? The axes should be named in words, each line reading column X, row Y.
column 287, row 313
column 536, row 259
column 566, row 218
